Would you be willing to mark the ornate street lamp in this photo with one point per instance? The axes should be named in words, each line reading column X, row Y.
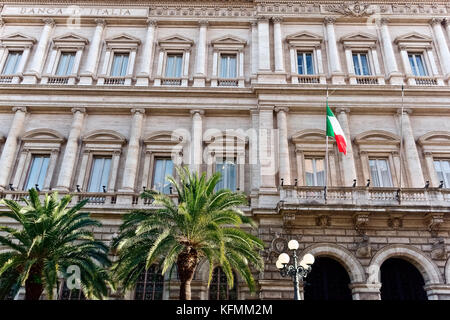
column 295, row 270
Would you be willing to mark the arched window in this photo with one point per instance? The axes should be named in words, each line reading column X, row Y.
column 328, row 280
column 218, row 289
column 400, row 280
column 69, row 294
column 150, row 285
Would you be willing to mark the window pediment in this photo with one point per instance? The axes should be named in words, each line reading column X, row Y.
column 414, row 39
column 17, row 40
column 435, row 142
column 165, row 141
column 304, row 39
column 228, row 42
column 43, row 135
column 311, row 140
column 359, row 40
column 105, row 137
column 377, row 137
column 42, row 139
column 176, row 42
column 70, row 40
column 122, row 40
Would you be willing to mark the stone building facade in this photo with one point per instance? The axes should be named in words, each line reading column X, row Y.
column 101, row 99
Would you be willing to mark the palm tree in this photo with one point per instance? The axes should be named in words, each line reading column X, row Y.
column 204, row 223
column 51, row 238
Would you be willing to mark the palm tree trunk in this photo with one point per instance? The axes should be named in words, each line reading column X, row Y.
column 187, row 262
column 33, row 285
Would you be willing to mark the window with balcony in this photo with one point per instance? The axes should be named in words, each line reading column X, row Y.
column 228, row 171
column 305, row 63
column 163, row 169
column 418, row 58
column 65, row 64
column 416, row 61
column 64, row 60
column 15, row 53
column 37, row 172
column 361, row 64
column 315, row 171
column 228, row 61
column 219, row 289
column 380, row 173
column 361, row 55
column 12, row 62
column 100, row 172
column 173, row 61
column 150, row 285
column 442, row 168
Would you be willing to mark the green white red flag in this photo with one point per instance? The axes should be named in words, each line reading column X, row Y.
column 334, row 130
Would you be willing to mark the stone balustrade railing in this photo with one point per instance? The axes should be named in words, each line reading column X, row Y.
column 362, row 196
column 100, row 200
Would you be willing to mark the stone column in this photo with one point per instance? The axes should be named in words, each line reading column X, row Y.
column 254, row 48
column 34, row 72
column 132, row 160
column 144, row 72
column 278, row 44
column 283, row 145
column 263, row 45
column 197, row 140
column 337, row 76
column 71, row 152
column 347, row 161
column 86, row 77
column 444, row 52
column 200, row 59
column 394, row 75
column 10, row 147
column 253, row 152
column 410, row 153
column 268, row 168
column 447, row 26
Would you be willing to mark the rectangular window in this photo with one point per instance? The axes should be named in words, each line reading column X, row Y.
column 443, row 171
column 380, row 173
column 174, row 65
column 65, row 64
column 315, row 171
column 228, row 66
column 305, row 63
column 37, row 172
column 361, row 64
column 99, row 174
column 228, row 170
column 162, row 169
column 12, row 62
column 417, row 64
column 119, row 65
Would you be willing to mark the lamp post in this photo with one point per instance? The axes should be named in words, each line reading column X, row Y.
column 295, row 270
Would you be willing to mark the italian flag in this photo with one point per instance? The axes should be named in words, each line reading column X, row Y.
column 334, row 130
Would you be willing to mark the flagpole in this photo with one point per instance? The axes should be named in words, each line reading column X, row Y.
column 326, row 149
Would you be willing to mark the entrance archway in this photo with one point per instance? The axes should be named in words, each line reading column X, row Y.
column 328, row 280
column 400, row 280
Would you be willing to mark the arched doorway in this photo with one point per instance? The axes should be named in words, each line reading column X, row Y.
column 400, row 280
column 328, row 280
